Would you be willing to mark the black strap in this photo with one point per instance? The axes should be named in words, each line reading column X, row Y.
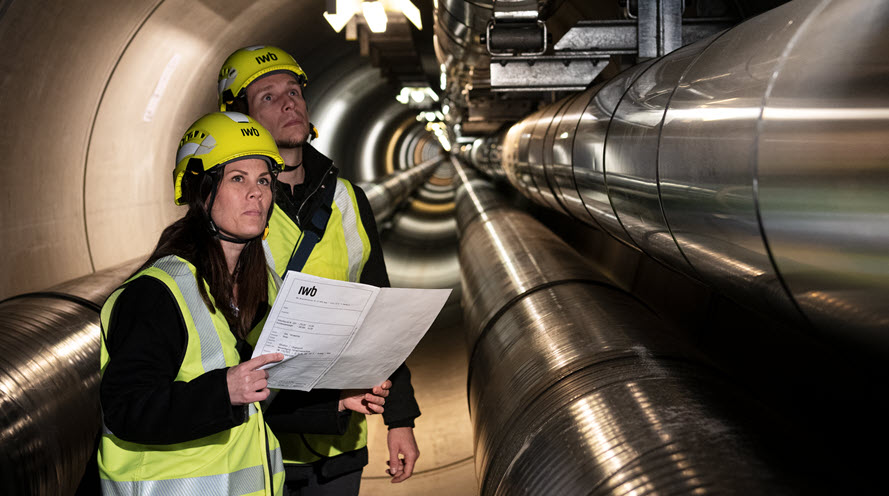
column 313, row 232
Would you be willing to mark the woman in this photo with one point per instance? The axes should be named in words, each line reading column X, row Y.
column 181, row 411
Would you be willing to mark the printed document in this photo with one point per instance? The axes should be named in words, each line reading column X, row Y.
column 343, row 335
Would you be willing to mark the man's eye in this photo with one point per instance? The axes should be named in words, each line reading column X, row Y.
column 267, row 98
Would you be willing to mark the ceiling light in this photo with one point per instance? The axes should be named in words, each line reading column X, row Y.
column 411, row 12
column 375, row 15
column 345, row 9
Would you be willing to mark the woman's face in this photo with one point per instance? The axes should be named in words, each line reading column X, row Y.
column 243, row 198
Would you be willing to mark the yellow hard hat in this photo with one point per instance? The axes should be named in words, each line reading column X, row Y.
column 248, row 64
column 219, row 138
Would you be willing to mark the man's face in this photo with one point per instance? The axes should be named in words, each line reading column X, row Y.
column 276, row 102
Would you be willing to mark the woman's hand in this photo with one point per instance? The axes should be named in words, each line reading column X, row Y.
column 362, row 401
column 246, row 384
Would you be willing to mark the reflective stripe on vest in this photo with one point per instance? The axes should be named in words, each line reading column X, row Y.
column 245, row 481
column 211, row 348
column 270, row 260
column 248, row 454
column 341, row 252
column 354, row 246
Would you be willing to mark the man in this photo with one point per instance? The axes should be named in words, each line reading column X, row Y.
column 324, row 226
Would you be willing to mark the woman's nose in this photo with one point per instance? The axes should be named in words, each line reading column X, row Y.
column 255, row 191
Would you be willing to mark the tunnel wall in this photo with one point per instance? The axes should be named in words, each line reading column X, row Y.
column 99, row 94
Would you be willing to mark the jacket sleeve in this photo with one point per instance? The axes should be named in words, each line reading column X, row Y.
column 401, row 407
column 142, row 401
column 312, row 412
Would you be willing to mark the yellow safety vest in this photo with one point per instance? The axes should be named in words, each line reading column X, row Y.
column 340, row 254
column 232, row 462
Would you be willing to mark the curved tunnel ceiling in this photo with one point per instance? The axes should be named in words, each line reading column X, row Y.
column 100, row 92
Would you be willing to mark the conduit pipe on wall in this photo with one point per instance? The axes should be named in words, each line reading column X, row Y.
column 577, row 388
column 385, row 194
column 754, row 160
column 49, row 379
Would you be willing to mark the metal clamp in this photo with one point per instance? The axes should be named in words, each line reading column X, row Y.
column 540, row 24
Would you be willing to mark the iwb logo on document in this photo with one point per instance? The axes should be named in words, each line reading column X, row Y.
column 308, row 291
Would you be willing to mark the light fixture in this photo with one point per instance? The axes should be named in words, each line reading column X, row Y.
column 374, row 13
column 439, row 129
column 417, row 96
column 411, row 12
column 343, row 13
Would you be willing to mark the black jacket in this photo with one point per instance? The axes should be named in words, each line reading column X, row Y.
column 284, row 415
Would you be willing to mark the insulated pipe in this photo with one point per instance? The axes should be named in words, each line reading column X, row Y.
column 577, row 388
column 385, row 194
column 49, row 379
column 754, row 160
column 458, row 25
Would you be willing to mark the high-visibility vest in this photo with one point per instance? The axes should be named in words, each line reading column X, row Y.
column 340, row 254
column 244, row 460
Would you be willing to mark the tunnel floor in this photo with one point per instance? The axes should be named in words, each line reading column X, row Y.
column 443, row 431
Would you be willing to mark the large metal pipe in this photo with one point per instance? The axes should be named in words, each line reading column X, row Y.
column 385, row 194
column 577, row 388
column 49, row 380
column 754, row 161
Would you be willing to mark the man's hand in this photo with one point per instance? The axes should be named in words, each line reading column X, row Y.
column 364, row 401
column 246, row 384
column 403, row 453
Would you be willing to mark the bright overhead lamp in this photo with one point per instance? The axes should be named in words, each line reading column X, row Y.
column 411, row 12
column 343, row 13
column 374, row 13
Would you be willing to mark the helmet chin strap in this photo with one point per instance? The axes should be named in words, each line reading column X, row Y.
column 218, row 234
column 288, row 168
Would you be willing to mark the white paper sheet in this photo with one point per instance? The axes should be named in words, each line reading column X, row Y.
column 342, row 335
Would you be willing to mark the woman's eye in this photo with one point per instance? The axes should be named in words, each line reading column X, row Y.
column 237, row 179
column 264, row 181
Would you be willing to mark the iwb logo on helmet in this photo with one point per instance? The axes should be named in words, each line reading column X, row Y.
column 268, row 57
column 249, row 132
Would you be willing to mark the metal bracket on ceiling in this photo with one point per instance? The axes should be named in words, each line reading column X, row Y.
column 621, row 37
column 516, row 38
column 584, row 51
column 515, row 29
column 545, row 73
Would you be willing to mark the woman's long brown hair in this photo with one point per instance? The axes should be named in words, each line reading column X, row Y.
column 190, row 239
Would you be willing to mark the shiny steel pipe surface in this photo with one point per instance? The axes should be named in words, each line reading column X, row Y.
column 388, row 192
column 753, row 160
column 477, row 199
column 575, row 387
column 49, row 379
column 458, row 25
